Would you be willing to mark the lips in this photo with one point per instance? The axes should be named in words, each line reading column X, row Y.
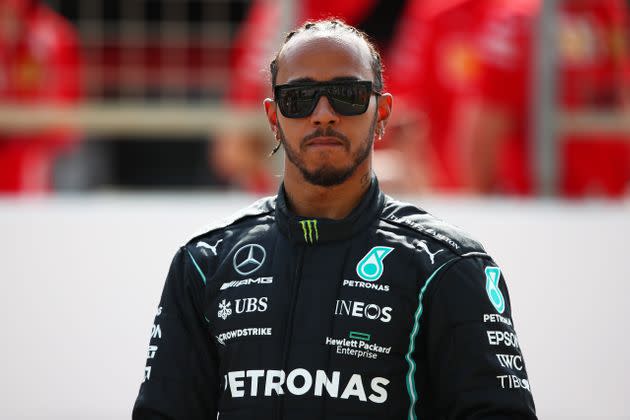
column 324, row 141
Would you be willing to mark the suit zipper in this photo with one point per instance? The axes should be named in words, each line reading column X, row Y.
column 295, row 288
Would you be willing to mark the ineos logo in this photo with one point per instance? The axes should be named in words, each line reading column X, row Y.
column 249, row 258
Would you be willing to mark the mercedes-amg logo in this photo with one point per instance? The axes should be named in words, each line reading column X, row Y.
column 249, row 258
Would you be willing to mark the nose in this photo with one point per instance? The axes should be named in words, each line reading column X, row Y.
column 324, row 114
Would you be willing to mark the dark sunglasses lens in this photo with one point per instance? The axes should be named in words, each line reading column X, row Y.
column 296, row 102
column 349, row 99
column 346, row 98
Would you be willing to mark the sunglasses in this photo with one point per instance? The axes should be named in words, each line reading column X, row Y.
column 347, row 98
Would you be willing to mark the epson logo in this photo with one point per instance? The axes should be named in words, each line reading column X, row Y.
column 362, row 310
column 247, row 282
column 259, row 382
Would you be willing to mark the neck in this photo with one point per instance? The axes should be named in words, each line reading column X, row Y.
column 336, row 202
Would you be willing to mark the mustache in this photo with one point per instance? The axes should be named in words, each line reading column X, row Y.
column 328, row 132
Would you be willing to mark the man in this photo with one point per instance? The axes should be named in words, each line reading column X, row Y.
column 253, row 45
column 331, row 300
column 39, row 64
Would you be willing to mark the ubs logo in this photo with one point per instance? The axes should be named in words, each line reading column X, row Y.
column 249, row 258
column 245, row 305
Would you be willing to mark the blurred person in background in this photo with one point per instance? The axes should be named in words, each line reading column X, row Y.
column 242, row 160
column 595, row 64
column 39, row 65
column 593, row 74
column 433, row 64
column 469, row 74
column 252, row 48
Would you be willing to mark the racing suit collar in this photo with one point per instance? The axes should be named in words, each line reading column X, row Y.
column 311, row 231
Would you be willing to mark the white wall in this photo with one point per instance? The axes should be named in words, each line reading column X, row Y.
column 80, row 279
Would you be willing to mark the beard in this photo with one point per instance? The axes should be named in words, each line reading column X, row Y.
column 327, row 175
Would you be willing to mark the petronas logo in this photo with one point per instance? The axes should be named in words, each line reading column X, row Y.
column 493, row 275
column 309, row 228
column 370, row 268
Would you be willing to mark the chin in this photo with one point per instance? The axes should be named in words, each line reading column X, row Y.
column 327, row 176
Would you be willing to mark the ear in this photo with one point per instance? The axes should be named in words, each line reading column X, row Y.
column 384, row 110
column 272, row 113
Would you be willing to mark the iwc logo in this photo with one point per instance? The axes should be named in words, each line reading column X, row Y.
column 370, row 268
column 249, row 258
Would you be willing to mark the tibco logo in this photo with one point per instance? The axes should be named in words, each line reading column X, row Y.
column 363, row 310
column 300, row 381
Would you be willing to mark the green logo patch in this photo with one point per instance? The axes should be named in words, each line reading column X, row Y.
column 493, row 275
column 357, row 335
column 309, row 228
column 370, row 268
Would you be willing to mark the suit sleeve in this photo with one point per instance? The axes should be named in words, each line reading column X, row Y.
column 476, row 366
column 180, row 380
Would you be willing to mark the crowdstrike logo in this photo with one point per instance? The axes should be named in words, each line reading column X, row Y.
column 243, row 332
column 249, row 258
column 267, row 383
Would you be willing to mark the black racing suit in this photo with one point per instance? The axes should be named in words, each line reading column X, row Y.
column 389, row 313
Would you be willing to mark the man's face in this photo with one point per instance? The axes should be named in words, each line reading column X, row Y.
column 326, row 147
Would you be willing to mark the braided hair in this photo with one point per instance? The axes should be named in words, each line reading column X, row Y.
column 333, row 25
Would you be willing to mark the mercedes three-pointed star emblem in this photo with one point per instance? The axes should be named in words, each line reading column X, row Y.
column 249, row 258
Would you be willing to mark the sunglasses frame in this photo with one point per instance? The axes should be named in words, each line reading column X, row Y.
column 321, row 91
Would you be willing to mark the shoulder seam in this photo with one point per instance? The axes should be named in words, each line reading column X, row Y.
column 414, row 227
column 410, row 376
column 228, row 224
column 201, row 274
column 476, row 254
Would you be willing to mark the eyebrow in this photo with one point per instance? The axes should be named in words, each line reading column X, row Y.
column 302, row 80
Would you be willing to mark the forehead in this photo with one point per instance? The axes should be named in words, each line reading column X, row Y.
column 324, row 56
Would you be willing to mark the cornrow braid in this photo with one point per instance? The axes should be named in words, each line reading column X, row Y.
column 333, row 25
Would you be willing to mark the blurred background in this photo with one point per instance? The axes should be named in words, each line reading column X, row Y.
column 127, row 124
column 524, row 98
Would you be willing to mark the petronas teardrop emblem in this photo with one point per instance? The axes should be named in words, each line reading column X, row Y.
column 493, row 275
column 370, row 268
